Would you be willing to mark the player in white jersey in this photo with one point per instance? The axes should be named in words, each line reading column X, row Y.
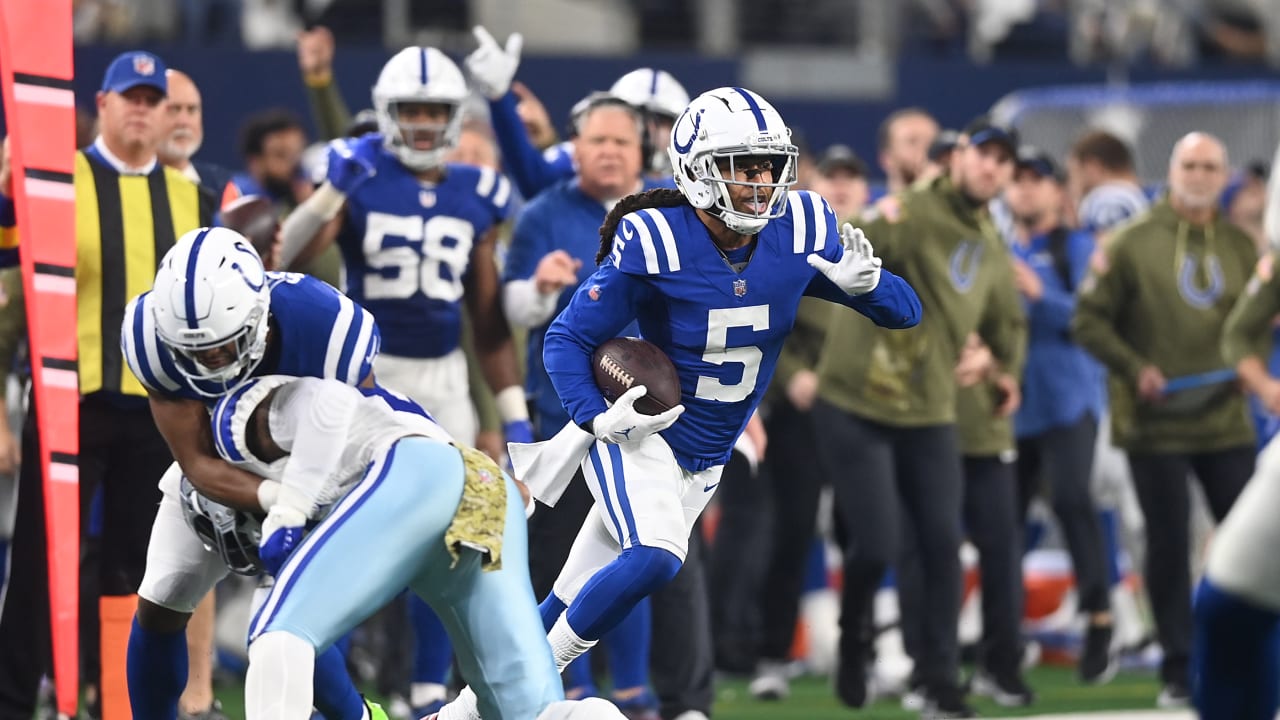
column 213, row 319
column 398, row 505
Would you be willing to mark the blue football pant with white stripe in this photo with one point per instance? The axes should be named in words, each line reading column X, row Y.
column 388, row 533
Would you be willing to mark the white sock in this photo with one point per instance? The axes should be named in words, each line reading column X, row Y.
column 278, row 685
column 463, row 707
column 589, row 709
column 566, row 646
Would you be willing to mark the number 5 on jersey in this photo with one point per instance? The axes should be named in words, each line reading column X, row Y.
column 719, row 321
column 428, row 262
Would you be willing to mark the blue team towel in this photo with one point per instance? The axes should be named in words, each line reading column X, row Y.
column 1190, row 382
column 1192, row 393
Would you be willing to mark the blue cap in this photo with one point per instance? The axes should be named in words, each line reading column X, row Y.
column 981, row 130
column 134, row 68
column 1039, row 162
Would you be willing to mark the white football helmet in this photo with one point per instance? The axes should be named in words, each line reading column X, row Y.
column 652, row 90
column 419, row 75
column 661, row 98
column 210, row 291
column 719, row 126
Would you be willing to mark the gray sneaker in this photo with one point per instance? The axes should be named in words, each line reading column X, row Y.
column 772, row 680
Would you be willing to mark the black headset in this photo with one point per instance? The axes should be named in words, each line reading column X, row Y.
column 604, row 99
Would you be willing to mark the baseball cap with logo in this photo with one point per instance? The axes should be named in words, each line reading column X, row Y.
column 981, row 130
column 841, row 157
column 944, row 143
column 1039, row 162
column 134, row 68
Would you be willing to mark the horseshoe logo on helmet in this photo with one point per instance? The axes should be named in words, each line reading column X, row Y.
column 248, row 250
column 684, row 148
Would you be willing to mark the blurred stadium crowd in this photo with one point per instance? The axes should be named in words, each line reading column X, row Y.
column 823, row 553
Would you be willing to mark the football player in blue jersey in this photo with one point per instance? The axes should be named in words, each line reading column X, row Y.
column 656, row 94
column 213, row 318
column 417, row 236
column 713, row 274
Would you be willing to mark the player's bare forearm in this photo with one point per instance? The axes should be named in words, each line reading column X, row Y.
column 185, row 427
column 491, row 333
column 1253, row 373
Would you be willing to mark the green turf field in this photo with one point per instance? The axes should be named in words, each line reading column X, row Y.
column 812, row 699
column 1056, row 689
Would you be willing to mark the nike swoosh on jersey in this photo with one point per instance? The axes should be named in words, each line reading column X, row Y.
column 709, row 488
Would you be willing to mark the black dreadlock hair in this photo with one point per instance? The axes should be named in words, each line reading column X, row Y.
column 655, row 198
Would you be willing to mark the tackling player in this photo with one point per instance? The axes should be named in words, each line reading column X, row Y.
column 213, row 319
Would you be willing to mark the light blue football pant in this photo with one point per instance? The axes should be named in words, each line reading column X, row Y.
column 386, row 534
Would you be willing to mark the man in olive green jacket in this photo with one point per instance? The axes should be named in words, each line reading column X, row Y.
column 1153, row 310
column 887, row 413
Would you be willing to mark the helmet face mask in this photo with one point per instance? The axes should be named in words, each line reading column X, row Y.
column 413, row 78
column 242, row 352
column 233, row 534
column 211, row 307
column 720, row 131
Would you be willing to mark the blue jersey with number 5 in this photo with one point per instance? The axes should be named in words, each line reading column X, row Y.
column 723, row 330
column 407, row 246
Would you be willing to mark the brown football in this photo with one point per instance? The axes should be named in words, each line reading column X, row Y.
column 256, row 218
column 621, row 363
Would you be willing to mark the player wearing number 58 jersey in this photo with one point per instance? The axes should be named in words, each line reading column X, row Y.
column 713, row 273
column 417, row 238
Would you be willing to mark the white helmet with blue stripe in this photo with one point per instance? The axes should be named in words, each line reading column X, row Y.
column 419, row 75
column 652, row 90
column 725, row 126
column 211, row 303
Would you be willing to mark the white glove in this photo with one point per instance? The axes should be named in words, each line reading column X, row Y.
column 622, row 424
column 492, row 67
column 858, row 272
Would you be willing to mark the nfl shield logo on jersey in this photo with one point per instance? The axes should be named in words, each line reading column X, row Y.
column 740, row 287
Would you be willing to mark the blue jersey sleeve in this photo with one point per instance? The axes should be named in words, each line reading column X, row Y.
column 531, row 171
column 893, row 304
column 644, row 244
column 1057, row 304
column 493, row 190
column 354, row 343
column 529, row 241
column 324, row 333
column 605, row 304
